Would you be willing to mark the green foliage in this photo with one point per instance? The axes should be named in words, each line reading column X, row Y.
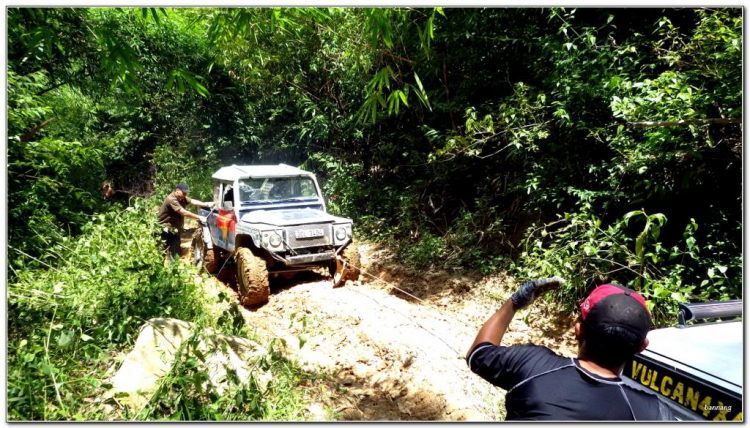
column 587, row 253
column 386, row 26
column 25, row 108
column 68, row 322
column 340, row 183
column 173, row 166
column 50, row 180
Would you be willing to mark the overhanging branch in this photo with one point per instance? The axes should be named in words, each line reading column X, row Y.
column 31, row 133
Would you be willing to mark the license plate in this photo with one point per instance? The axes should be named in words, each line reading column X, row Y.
column 308, row 233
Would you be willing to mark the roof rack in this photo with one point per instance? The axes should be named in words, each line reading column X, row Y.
column 697, row 311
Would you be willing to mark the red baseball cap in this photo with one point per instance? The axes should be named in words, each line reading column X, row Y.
column 612, row 305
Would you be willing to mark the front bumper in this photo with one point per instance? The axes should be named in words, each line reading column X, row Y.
column 309, row 258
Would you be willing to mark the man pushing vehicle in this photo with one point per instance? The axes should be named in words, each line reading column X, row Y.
column 542, row 385
column 171, row 217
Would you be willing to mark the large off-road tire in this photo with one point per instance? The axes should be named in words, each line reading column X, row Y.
column 252, row 278
column 202, row 256
column 353, row 261
column 351, row 268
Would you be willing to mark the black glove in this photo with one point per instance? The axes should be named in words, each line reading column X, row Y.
column 533, row 289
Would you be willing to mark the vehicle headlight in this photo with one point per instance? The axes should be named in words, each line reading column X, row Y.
column 341, row 233
column 275, row 240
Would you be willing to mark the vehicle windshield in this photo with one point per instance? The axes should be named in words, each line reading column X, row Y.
column 277, row 189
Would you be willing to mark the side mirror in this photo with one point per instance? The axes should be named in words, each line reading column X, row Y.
column 227, row 206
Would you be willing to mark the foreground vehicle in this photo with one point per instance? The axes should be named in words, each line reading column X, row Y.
column 697, row 369
column 273, row 219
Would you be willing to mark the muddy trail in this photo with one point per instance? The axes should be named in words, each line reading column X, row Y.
column 389, row 355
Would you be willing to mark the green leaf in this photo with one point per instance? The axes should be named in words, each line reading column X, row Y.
column 655, row 230
column 381, row 99
column 47, row 369
column 155, row 15
column 419, row 82
column 639, row 247
column 630, row 214
column 200, row 355
column 403, row 98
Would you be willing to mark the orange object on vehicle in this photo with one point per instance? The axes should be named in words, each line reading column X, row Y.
column 227, row 214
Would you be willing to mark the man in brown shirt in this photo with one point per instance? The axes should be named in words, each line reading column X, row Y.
column 172, row 217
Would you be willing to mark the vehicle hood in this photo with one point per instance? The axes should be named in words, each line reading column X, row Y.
column 711, row 351
column 290, row 217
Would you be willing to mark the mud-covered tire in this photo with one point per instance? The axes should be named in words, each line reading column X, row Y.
column 197, row 248
column 353, row 262
column 211, row 260
column 252, row 278
column 202, row 256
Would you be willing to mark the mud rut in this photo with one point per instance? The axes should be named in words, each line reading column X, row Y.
column 388, row 356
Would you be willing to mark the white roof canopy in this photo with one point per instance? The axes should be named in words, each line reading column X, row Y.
column 235, row 172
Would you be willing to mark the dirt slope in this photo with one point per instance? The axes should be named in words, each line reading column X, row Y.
column 390, row 356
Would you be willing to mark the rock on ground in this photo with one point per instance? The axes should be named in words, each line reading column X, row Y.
column 155, row 351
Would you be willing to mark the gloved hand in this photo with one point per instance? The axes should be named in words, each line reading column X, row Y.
column 533, row 289
column 202, row 219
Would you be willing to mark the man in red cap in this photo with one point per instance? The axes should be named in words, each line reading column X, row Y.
column 542, row 385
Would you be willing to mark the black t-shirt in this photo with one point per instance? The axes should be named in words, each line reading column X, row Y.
column 542, row 385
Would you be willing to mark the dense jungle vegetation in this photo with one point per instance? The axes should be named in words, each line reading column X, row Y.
column 601, row 145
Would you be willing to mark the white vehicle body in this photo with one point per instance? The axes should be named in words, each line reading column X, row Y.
column 696, row 369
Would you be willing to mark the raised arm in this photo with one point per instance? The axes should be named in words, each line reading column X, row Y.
column 494, row 328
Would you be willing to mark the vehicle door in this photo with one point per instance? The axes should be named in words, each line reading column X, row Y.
column 212, row 216
column 224, row 220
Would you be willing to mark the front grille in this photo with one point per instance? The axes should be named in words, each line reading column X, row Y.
column 313, row 241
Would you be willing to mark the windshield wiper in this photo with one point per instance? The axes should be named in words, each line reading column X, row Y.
column 308, row 199
column 277, row 201
column 258, row 202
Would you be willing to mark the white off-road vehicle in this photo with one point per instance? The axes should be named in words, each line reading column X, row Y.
column 697, row 366
column 273, row 220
